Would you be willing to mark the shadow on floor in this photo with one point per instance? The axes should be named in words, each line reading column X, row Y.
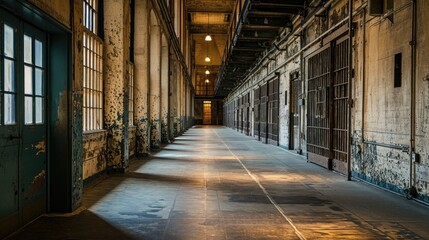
column 85, row 225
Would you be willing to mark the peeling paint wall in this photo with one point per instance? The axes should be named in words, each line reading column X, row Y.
column 132, row 141
column 155, row 82
column 94, row 153
column 77, row 104
column 116, row 33
column 141, row 77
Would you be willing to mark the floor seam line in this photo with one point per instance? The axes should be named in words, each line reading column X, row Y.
column 267, row 194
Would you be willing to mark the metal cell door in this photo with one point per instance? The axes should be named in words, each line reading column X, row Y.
column 340, row 102
column 256, row 112
column 295, row 94
column 263, row 118
column 248, row 114
column 23, row 130
column 318, row 117
column 273, row 111
column 327, row 116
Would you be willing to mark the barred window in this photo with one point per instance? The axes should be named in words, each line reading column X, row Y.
column 90, row 15
column 92, row 70
column 131, row 94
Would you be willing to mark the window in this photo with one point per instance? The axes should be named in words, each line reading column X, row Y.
column 204, row 86
column 8, row 83
column 90, row 15
column 92, row 69
column 398, row 70
column 33, row 81
column 131, row 94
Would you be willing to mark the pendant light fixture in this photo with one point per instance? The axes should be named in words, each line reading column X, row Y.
column 207, row 59
column 207, row 72
column 208, row 37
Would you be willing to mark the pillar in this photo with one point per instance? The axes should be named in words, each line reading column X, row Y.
column 141, row 77
column 165, row 62
column 155, row 83
column 116, row 55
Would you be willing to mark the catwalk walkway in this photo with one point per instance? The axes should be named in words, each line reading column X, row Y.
column 215, row 183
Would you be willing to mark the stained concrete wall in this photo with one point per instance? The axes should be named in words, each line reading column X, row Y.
column 422, row 101
column 381, row 113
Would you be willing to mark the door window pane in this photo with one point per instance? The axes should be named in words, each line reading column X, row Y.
column 39, row 110
column 39, row 82
column 9, row 76
column 28, row 80
column 9, row 109
column 28, row 49
column 38, row 53
column 28, row 110
column 8, row 41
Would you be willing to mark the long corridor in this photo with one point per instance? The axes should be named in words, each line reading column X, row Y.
column 215, row 183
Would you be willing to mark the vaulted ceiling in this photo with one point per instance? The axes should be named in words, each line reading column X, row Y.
column 261, row 23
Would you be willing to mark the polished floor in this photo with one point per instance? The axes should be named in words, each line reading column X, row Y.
column 215, row 183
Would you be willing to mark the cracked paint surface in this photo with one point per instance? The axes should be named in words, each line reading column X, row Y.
column 116, row 83
column 36, row 185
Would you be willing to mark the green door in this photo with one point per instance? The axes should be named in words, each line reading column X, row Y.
column 23, row 130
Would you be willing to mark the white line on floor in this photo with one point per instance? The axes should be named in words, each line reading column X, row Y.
column 267, row 194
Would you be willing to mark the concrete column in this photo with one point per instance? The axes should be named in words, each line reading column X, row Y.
column 179, row 103
column 141, row 77
column 77, row 99
column 173, row 98
column 165, row 62
column 116, row 25
column 155, row 83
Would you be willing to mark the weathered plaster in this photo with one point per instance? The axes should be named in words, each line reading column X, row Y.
column 141, row 77
column 56, row 9
column 116, row 32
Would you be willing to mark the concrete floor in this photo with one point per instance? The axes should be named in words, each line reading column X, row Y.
column 215, row 183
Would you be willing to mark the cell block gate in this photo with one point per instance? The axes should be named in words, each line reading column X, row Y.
column 327, row 110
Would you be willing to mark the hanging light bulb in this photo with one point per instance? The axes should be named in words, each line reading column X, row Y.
column 207, row 80
column 207, row 59
column 208, row 37
column 207, row 72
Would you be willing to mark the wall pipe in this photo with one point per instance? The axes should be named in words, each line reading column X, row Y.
column 350, row 95
column 363, row 73
column 412, row 190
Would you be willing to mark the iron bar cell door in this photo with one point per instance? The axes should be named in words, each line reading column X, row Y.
column 327, row 115
column 273, row 111
column 294, row 109
column 256, row 107
column 263, row 118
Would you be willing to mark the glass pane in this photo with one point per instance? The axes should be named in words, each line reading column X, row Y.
column 28, row 80
column 39, row 82
column 9, row 76
column 28, row 110
column 39, row 110
column 9, row 109
column 8, row 41
column 28, row 49
column 38, row 51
